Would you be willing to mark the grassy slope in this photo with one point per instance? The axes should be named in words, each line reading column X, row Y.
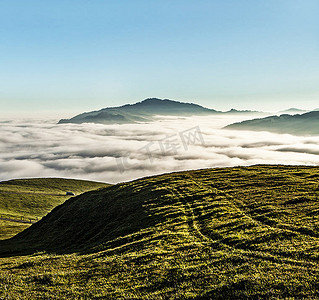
column 47, row 193
column 233, row 233
column 8, row 229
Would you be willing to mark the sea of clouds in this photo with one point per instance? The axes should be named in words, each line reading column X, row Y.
column 115, row 153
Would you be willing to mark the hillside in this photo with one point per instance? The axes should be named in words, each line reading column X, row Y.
column 144, row 111
column 300, row 124
column 31, row 199
column 228, row 233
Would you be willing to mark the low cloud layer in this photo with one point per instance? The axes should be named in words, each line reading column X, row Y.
column 114, row 153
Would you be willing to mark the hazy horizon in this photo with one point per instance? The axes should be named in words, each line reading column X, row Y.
column 61, row 114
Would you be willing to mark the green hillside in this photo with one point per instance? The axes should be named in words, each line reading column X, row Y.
column 228, row 233
column 31, row 199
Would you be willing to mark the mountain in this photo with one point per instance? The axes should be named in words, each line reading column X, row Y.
column 143, row 111
column 140, row 112
column 292, row 111
column 225, row 233
column 236, row 111
column 300, row 124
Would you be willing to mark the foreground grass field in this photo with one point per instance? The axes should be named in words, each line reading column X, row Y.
column 231, row 233
column 31, row 199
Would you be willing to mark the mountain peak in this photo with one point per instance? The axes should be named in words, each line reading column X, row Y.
column 144, row 111
column 293, row 110
column 152, row 100
column 157, row 101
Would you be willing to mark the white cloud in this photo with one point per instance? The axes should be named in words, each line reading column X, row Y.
column 114, row 153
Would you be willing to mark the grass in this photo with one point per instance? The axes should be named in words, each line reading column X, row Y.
column 34, row 198
column 8, row 229
column 229, row 233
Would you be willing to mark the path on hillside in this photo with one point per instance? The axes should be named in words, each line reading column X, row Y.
column 30, row 193
column 26, row 221
column 216, row 240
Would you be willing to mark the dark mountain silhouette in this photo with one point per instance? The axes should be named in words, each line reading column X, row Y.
column 246, row 111
column 301, row 124
column 144, row 111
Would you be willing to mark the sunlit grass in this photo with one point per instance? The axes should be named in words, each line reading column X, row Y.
column 231, row 233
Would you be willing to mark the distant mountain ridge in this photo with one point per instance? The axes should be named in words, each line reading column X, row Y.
column 294, row 110
column 300, row 124
column 144, row 111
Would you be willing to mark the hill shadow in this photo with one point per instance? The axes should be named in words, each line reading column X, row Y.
column 106, row 217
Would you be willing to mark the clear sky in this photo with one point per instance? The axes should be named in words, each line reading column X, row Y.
column 69, row 56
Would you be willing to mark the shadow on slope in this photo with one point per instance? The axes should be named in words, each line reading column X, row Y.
column 265, row 211
column 86, row 221
column 228, row 233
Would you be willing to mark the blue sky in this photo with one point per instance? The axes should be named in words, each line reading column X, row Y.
column 69, row 56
